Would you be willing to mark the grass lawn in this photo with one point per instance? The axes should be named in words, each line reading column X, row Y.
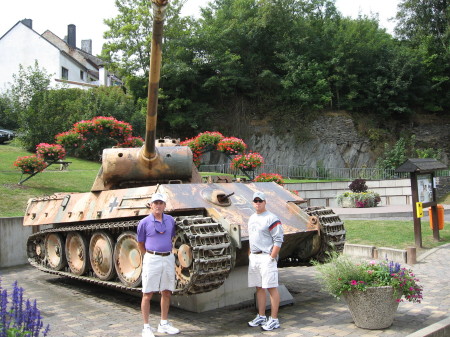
column 13, row 197
column 393, row 233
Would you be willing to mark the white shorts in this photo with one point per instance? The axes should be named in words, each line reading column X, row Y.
column 158, row 273
column 262, row 271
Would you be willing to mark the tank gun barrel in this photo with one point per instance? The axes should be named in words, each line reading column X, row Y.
column 151, row 164
column 159, row 7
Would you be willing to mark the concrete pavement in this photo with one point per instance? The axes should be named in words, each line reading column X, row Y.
column 78, row 309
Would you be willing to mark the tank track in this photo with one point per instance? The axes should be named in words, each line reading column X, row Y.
column 213, row 255
column 210, row 244
column 331, row 228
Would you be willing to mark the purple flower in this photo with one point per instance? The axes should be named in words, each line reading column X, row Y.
column 23, row 317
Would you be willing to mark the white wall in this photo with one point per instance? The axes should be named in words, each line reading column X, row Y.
column 23, row 46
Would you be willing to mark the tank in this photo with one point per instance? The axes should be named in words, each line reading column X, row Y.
column 92, row 236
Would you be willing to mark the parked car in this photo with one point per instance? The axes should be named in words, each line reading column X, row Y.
column 6, row 135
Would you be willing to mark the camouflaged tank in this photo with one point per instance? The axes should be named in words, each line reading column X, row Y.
column 92, row 236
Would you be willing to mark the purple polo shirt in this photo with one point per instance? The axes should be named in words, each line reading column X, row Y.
column 155, row 241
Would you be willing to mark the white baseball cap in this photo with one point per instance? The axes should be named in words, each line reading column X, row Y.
column 158, row 196
column 259, row 195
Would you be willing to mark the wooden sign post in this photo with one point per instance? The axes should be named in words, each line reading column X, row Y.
column 423, row 192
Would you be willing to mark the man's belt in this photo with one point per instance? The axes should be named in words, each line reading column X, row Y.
column 158, row 253
column 257, row 252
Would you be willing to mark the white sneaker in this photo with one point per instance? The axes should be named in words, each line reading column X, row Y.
column 272, row 323
column 147, row 332
column 258, row 321
column 168, row 328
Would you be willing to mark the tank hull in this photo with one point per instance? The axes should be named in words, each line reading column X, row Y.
column 211, row 240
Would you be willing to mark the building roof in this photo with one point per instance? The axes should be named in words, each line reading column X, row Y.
column 420, row 165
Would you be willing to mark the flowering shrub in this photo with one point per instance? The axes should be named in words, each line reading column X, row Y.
column 196, row 148
column 132, row 142
column 341, row 274
column 249, row 161
column 30, row 164
column 70, row 139
column 50, row 152
column 263, row 177
column 231, row 145
column 202, row 143
column 360, row 200
column 20, row 318
column 209, row 138
column 87, row 139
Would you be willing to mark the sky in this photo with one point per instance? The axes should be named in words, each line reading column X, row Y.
column 88, row 15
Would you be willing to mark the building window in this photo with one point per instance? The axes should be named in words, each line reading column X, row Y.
column 82, row 75
column 65, row 73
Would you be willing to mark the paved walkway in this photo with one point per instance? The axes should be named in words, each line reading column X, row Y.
column 78, row 309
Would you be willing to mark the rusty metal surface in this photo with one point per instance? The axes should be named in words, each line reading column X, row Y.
column 131, row 202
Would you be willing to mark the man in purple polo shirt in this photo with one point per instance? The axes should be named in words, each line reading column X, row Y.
column 155, row 233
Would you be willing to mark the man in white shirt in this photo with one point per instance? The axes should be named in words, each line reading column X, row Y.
column 265, row 240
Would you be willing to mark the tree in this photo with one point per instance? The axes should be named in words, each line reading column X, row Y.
column 425, row 26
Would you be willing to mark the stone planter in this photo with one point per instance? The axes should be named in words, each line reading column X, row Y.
column 347, row 203
column 374, row 308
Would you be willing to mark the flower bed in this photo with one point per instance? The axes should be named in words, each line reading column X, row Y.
column 21, row 317
column 30, row 164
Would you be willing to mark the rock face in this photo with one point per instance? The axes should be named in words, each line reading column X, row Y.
column 335, row 144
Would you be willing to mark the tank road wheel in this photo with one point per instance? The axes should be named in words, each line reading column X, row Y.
column 183, row 260
column 54, row 251
column 36, row 249
column 77, row 253
column 101, row 253
column 128, row 259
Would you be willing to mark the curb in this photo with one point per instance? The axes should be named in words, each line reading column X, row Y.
column 439, row 329
column 431, row 251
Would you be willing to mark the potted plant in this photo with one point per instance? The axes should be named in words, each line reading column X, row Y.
column 231, row 145
column 30, row 164
column 372, row 289
column 247, row 162
column 359, row 196
column 50, row 152
column 267, row 177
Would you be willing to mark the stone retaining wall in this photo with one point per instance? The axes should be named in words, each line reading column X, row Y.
column 392, row 192
column 13, row 239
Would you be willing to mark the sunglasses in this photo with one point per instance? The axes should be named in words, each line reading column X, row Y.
column 258, row 200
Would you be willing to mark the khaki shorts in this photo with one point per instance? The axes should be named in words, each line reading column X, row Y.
column 262, row 271
column 158, row 273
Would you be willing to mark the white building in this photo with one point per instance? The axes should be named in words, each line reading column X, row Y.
column 66, row 63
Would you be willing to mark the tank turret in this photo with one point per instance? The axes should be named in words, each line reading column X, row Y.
column 150, row 164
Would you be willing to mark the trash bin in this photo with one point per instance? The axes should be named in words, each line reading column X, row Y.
column 440, row 212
